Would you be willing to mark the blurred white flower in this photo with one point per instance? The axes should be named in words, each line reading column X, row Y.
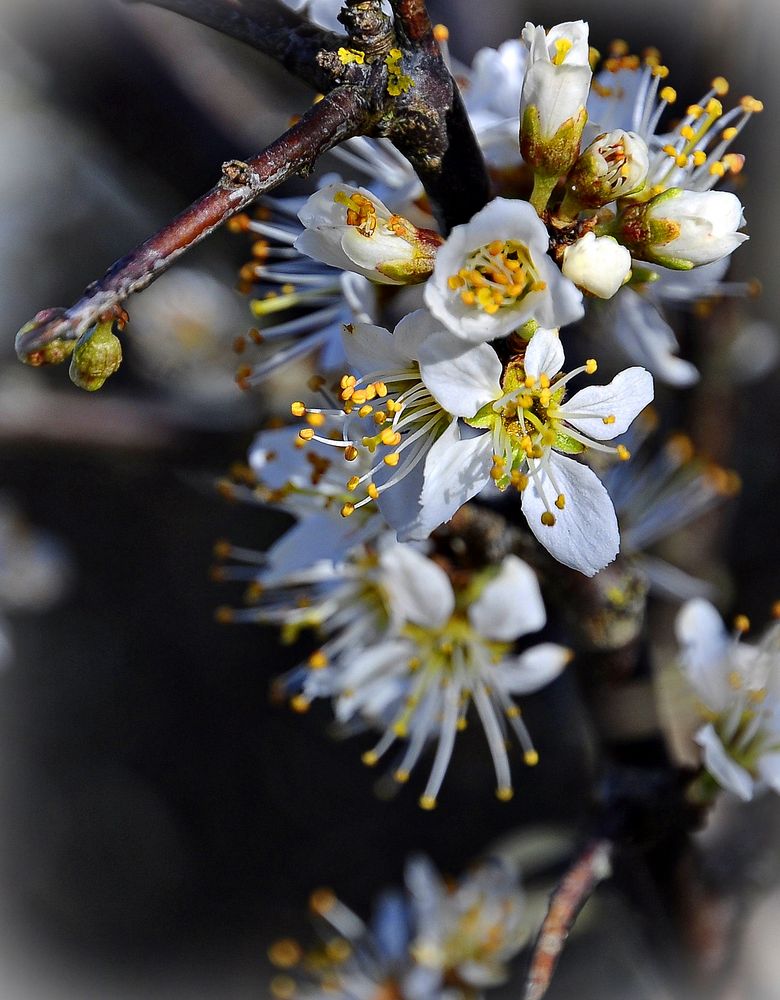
column 739, row 689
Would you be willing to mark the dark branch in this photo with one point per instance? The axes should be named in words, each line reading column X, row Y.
column 568, row 898
column 269, row 27
column 338, row 116
column 412, row 24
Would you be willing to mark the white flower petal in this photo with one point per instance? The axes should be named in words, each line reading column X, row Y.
column 627, row 395
column 647, row 338
column 461, row 379
column 705, row 648
column 544, row 354
column 413, row 331
column 532, row 669
column 372, row 349
column 724, row 770
column 314, row 538
column 510, row 605
column 323, row 245
column 419, row 589
column 769, row 769
column 585, row 535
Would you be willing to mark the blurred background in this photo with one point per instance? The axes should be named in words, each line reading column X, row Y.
column 161, row 822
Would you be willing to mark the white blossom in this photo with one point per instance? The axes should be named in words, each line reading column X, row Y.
column 352, row 229
column 491, row 93
column 493, row 275
column 613, row 166
column 684, row 229
column 738, row 686
column 597, row 264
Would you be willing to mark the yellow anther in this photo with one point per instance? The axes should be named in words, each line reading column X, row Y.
column 729, row 133
column 390, row 437
column 370, row 758
column 560, row 501
column 285, row 954
column 668, row 94
column 353, row 483
column 670, row 151
column 544, row 381
column 401, row 776
column 618, row 47
column 591, row 366
column 544, row 398
column 734, row 162
column 699, row 157
column 718, row 169
column 681, row 160
column 441, row 33
column 318, row 660
column 751, row 104
column 548, row 519
column 322, row 901
column 455, row 281
column 380, row 417
column 610, row 419
column 495, row 248
column 365, row 410
column 742, row 623
column 529, row 381
column 497, row 472
column 297, row 409
column 283, row 988
column 687, row 132
column 306, row 433
column 505, row 793
column 315, row 419
column 531, row 758
column 347, row 510
column 525, row 402
column 372, row 491
column 519, row 480
column 350, row 453
column 694, row 111
column 662, row 72
column 468, row 298
column 735, row 680
column 775, row 609
column 347, row 380
column 714, row 108
column 427, row 802
column 720, row 85
column 381, row 390
column 358, row 397
column 300, row 703
column 461, row 724
column 562, row 48
column 392, row 459
column 623, row 453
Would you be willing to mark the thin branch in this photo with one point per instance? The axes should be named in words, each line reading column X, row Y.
column 568, row 898
column 269, row 27
column 338, row 116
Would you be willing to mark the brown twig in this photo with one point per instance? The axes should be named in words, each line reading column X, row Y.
column 411, row 21
column 339, row 115
column 576, row 887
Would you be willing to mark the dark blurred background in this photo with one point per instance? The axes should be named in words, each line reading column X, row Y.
column 161, row 821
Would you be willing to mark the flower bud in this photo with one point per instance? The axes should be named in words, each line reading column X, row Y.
column 350, row 228
column 613, row 166
column 555, row 92
column 683, row 229
column 97, row 356
column 597, row 264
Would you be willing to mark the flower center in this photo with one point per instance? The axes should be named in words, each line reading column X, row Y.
column 495, row 276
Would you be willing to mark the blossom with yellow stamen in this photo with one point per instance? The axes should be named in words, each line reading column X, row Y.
column 493, row 275
column 738, row 685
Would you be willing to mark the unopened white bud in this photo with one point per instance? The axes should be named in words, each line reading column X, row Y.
column 597, row 264
column 613, row 166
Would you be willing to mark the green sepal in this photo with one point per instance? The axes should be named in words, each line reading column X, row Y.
column 551, row 155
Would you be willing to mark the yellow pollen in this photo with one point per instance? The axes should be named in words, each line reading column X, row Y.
column 720, row 85
column 441, row 33
column 687, row 132
column 562, row 48
column 381, row 391
column 365, row 410
column 297, row 409
column 380, row 417
column 775, row 609
column 353, row 483
column 401, row 776
column 369, row 758
column 609, row 419
column 372, row 491
column 662, row 72
column 505, row 793
column 758, row 696
column 694, row 110
column 670, row 151
column 306, row 433
column 318, row 660
column 729, row 133
column 392, row 459
column 519, row 480
column 350, row 453
column 718, row 169
column 735, row 680
column 348, row 510
column 681, row 160
column 591, row 366
column 315, row 419
column 283, row 988
column 390, row 437
column 300, row 704
column 455, row 281
column 468, row 298
column 285, row 954
column 495, row 248
column 742, row 623
column 544, row 398
column 529, row 382
column 668, row 94
column 560, row 501
column 427, row 802
column 461, row 724
column 714, row 107
column 548, row 519
column 531, row 758
column 544, row 381
column 751, row 104
column 399, row 728
column 623, row 453
column 699, row 157
column 734, row 162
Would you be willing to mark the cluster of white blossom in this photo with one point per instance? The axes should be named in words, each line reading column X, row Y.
column 433, row 941
column 466, row 393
